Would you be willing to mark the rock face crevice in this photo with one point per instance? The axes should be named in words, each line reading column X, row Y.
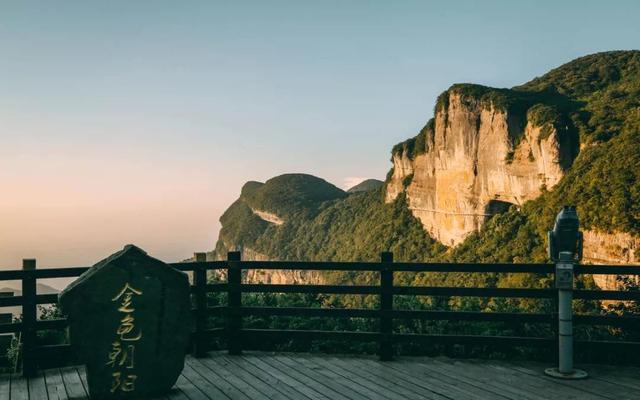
column 476, row 156
column 268, row 217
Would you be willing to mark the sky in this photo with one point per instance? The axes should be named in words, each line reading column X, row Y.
column 139, row 121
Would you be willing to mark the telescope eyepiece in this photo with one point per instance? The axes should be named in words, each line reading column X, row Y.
column 566, row 235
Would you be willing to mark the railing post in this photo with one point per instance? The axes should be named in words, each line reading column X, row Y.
column 555, row 324
column 234, row 317
column 200, row 283
column 386, row 307
column 29, row 317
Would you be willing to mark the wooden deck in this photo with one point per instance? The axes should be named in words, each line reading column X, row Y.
column 256, row 376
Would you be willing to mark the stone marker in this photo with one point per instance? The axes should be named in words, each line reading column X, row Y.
column 130, row 323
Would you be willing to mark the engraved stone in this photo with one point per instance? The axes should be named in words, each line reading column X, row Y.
column 130, row 323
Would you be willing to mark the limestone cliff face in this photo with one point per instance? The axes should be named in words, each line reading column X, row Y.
column 274, row 276
column 270, row 276
column 610, row 248
column 477, row 160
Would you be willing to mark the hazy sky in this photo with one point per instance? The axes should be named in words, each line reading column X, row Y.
column 139, row 121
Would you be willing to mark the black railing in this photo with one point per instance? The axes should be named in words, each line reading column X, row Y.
column 237, row 336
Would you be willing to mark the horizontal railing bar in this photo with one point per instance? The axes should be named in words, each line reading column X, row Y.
column 42, row 273
column 58, row 323
column 11, row 301
column 11, row 275
column 314, row 289
column 311, row 334
column 11, row 328
column 211, row 288
column 18, row 300
column 217, row 311
column 310, row 265
column 400, row 267
column 473, row 316
column 473, row 267
column 50, row 298
column 191, row 266
column 589, row 345
column 475, row 340
column 310, row 312
column 368, row 336
column 217, row 287
column 70, row 272
column 607, row 269
column 606, row 295
column 611, row 320
column 473, row 292
column 214, row 332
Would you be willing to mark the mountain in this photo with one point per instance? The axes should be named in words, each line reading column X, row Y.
column 482, row 181
column 366, row 186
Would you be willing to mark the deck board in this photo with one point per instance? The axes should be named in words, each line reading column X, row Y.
column 290, row 376
column 55, row 386
column 286, row 379
column 5, row 386
column 256, row 373
column 189, row 390
column 360, row 387
column 37, row 387
column 375, row 385
column 19, row 388
column 239, row 377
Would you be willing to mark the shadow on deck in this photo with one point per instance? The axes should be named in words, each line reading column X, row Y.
column 258, row 375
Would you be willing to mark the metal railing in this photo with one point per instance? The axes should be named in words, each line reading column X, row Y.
column 237, row 336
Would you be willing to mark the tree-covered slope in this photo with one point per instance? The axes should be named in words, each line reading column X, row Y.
column 355, row 228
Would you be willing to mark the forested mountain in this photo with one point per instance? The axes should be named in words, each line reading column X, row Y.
column 482, row 181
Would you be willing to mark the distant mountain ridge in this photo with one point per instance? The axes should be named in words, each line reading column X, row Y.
column 482, row 181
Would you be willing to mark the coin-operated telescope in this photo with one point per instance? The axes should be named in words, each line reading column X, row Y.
column 566, row 236
column 565, row 249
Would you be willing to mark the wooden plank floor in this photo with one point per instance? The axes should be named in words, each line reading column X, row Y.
column 260, row 376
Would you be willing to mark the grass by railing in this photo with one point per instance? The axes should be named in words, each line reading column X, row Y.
column 237, row 337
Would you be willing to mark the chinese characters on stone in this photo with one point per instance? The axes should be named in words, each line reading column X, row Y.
column 122, row 355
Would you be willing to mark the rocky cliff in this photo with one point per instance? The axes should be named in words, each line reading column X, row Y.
column 611, row 249
column 475, row 159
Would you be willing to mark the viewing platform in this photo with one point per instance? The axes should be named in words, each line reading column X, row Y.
column 229, row 328
column 302, row 376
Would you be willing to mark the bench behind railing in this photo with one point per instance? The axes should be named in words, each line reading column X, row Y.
column 237, row 336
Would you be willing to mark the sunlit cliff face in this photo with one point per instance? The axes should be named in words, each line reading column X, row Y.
column 472, row 169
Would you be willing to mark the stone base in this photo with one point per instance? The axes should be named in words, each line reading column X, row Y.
column 575, row 374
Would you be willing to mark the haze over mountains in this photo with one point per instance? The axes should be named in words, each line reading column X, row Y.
column 482, row 181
